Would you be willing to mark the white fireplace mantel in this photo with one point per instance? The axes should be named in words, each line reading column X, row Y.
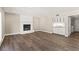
column 26, row 20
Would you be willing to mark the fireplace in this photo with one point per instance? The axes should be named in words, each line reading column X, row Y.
column 26, row 24
column 26, row 27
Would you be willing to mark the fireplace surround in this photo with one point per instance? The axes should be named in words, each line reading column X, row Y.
column 26, row 23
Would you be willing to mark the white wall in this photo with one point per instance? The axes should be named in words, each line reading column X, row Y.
column 36, row 23
column 40, row 23
column 44, row 15
column 46, row 24
column 2, row 25
column 12, row 23
column 76, row 24
column 43, row 23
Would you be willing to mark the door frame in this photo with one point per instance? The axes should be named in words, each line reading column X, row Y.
column 0, row 26
column 67, row 26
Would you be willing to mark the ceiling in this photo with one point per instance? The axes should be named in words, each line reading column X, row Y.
column 39, row 10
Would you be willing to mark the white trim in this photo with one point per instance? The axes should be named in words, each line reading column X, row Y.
column 36, row 30
column 47, row 31
column 11, row 34
column 66, row 35
column 2, row 40
column 26, row 32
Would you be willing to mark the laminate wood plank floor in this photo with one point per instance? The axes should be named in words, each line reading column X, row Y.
column 40, row 41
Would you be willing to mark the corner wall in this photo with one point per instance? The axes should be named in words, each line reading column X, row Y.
column 43, row 23
column 2, row 25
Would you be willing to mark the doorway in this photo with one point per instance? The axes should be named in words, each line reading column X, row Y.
column 74, row 24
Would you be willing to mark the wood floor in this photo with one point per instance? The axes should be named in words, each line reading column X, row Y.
column 40, row 41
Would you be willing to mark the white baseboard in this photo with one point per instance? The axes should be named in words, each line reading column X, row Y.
column 43, row 31
column 26, row 32
column 37, row 30
column 47, row 31
column 2, row 40
column 66, row 35
column 11, row 34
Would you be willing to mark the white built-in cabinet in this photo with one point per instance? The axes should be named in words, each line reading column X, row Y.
column 59, row 25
